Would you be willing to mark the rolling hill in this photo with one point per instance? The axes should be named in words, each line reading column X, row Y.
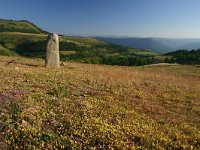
column 25, row 39
column 19, row 26
column 158, row 45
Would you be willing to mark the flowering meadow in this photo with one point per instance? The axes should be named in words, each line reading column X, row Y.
column 84, row 106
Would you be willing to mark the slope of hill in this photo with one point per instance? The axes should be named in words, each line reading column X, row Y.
column 5, row 51
column 83, row 106
column 19, row 26
column 87, row 50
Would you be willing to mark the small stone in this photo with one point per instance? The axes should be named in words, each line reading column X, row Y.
column 62, row 64
column 52, row 51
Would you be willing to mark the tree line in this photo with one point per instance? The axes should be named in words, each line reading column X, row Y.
column 106, row 53
column 184, row 57
column 109, row 54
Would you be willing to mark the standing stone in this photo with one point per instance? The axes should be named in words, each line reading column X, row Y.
column 52, row 59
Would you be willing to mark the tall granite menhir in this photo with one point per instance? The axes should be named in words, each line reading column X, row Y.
column 52, row 59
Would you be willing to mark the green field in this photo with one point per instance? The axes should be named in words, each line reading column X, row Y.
column 84, row 106
column 145, row 53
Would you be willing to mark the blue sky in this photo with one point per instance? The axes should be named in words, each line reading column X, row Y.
column 141, row 18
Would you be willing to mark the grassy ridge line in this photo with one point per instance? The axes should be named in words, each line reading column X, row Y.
column 16, row 26
column 87, row 41
column 91, row 106
column 19, row 26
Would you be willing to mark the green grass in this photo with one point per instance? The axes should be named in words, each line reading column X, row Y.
column 145, row 53
column 67, row 52
column 83, row 41
column 84, row 106
column 13, row 39
column 19, row 26
column 5, row 52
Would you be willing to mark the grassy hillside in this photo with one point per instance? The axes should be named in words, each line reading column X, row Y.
column 19, row 26
column 5, row 51
column 86, row 50
column 26, row 39
column 82, row 106
column 14, row 39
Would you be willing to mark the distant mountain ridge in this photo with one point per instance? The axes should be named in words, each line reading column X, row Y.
column 23, row 26
column 158, row 45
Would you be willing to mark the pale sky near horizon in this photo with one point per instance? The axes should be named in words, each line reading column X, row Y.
column 140, row 18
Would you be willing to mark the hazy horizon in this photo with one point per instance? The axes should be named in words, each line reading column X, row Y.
column 122, row 18
column 129, row 36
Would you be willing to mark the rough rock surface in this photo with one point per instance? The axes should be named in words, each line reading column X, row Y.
column 52, row 51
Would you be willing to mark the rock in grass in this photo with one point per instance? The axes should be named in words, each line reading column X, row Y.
column 52, row 59
column 62, row 64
